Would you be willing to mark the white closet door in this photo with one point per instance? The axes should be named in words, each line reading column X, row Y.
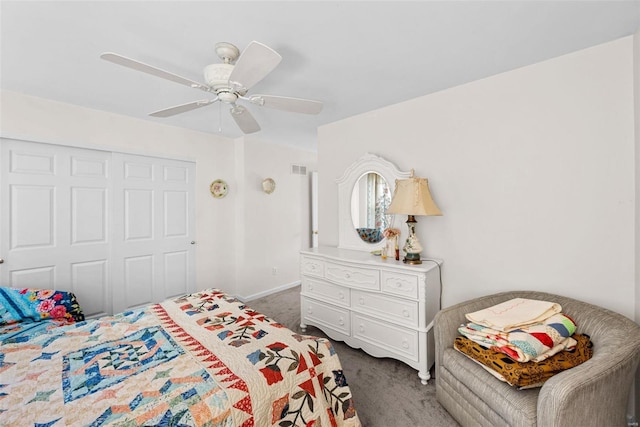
column 114, row 229
column 54, row 215
column 153, row 247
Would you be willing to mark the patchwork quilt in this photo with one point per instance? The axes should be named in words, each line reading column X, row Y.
column 534, row 342
column 204, row 359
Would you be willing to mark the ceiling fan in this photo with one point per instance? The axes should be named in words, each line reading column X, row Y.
column 229, row 82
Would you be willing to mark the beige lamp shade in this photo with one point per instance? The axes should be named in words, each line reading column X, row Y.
column 412, row 197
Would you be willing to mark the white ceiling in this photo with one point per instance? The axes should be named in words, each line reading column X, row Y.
column 355, row 56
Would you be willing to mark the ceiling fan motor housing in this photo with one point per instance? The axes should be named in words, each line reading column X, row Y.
column 217, row 78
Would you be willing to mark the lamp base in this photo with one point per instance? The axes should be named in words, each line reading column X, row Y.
column 412, row 258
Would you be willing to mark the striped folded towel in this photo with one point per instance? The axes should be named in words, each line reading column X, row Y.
column 515, row 313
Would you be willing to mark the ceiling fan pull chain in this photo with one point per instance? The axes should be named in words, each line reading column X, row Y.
column 220, row 117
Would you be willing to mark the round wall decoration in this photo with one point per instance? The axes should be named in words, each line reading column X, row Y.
column 218, row 188
column 268, row 185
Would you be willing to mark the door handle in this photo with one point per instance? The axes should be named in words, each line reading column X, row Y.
column 1, row 260
column 193, row 242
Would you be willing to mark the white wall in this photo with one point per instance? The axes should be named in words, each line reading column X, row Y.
column 217, row 221
column 636, row 75
column 276, row 225
column 533, row 170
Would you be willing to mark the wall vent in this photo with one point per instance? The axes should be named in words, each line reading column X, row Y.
column 298, row 170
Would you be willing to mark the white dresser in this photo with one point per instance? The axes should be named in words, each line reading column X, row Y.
column 384, row 307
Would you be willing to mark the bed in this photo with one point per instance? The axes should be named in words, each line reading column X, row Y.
column 204, row 359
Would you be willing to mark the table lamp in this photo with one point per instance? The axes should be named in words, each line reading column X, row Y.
column 412, row 197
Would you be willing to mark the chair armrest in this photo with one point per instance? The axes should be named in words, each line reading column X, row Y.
column 595, row 392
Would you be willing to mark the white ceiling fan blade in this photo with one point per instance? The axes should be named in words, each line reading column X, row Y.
column 149, row 69
column 244, row 119
column 183, row 108
column 255, row 62
column 285, row 103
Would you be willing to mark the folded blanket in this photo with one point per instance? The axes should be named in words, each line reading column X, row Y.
column 526, row 375
column 514, row 313
column 532, row 343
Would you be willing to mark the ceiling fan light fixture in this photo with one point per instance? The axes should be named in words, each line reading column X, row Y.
column 216, row 76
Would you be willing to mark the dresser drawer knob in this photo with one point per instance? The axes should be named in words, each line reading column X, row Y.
column 309, row 310
column 398, row 284
column 405, row 312
column 361, row 301
column 341, row 295
column 341, row 321
column 310, row 287
column 361, row 328
column 405, row 344
column 347, row 276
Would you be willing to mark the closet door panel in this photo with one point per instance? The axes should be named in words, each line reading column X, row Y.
column 176, row 273
column 91, row 280
column 54, row 217
column 153, row 251
column 139, row 280
column 88, row 215
column 138, row 214
column 176, row 209
column 32, row 217
column 39, row 277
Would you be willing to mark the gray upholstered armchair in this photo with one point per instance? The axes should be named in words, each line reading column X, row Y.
column 594, row 393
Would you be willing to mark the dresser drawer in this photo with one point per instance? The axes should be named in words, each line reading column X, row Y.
column 382, row 306
column 326, row 315
column 354, row 277
column 401, row 341
column 312, row 266
column 405, row 285
column 326, row 291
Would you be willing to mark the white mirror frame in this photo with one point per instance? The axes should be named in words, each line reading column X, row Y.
column 348, row 238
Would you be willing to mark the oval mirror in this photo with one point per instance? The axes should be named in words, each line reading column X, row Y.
column 370, row 199
column 368, row 163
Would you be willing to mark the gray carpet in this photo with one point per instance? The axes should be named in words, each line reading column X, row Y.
column 386, row 393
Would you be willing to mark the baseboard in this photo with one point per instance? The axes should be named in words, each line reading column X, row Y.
column 269, row 292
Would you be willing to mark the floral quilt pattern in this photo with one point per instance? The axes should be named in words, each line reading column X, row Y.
column 18, row 305
column 204, row 359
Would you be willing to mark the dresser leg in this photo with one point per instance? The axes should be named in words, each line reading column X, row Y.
column 424, row 377
column 303, row 327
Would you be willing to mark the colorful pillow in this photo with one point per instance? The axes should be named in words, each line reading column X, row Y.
column 18, row 305
column 526, row 374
